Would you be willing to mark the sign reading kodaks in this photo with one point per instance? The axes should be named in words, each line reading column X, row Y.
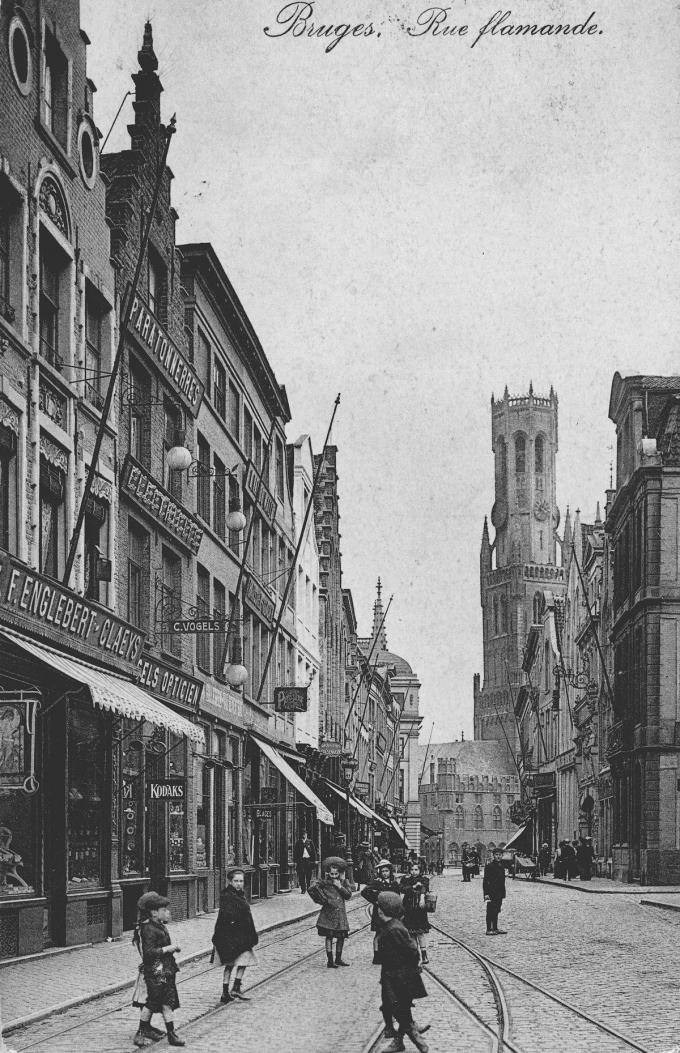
column 41, row 607
column 166, row 355
column 166, row 790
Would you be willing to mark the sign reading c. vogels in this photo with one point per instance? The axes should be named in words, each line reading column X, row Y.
column 166, row 355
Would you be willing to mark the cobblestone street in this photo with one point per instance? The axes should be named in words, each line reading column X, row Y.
column 607, row 955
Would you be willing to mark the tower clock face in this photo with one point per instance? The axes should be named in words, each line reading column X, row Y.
column 499, row 513
column 541, row 510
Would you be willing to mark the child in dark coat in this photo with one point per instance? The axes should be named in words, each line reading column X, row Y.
column 234, row 936
column 384, row 882
column 400, row 977
column 413, row 888
column 332, row 924
column 153, row 942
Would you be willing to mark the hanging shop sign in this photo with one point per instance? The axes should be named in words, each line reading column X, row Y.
column 361, row 789
column 259, row 600
column 200, row 625
column 266, row 501
column 166, row 790
column 290, row 699
column 155, row 500
column 41, row 607
column 331, row 749
column 168, row 684
column 18, row 710
column 541, row 782
column 263, row 813
column 167, row 356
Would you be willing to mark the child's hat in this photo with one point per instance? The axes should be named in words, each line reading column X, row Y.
column 384, row 863
column 390, row 904
column 152, row 901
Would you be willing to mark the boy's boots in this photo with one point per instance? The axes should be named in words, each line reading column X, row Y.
column 226, row 997
column 395, row 1046
column 339, row 961
column 417, row 1039
column 330, row 964
column 237, row 992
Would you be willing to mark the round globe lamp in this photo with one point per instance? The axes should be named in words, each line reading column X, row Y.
column 178, row 458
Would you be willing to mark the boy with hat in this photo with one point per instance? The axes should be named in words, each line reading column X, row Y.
column 400, row 978
column 384, row 882
column 331, row 893
column 152, row 940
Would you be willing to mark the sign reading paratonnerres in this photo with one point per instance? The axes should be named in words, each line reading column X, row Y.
column 166, row 355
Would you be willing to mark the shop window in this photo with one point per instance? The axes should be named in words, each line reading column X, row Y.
column 171, row 606
column 138, row 576
column 52, row 523
column 8, row 489
column 51, row 322
column 55, row 89
column 96, row 545
column 220, row 389
column 140, row 415
column 219, row 497
column 234, row 412
column 18, row 833
column 203, row 479
column 133, row 803
column 86, row 793
column 203, row 787
column 94, row 329
column 177, row 809
column 202, row 611
column 20, row 60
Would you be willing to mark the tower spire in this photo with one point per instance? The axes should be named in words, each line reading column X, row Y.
column 378, row 631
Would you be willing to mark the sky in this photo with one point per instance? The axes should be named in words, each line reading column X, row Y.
column 414, row 221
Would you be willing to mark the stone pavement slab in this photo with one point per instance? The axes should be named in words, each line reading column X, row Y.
column 35, row 987
column 603, row 886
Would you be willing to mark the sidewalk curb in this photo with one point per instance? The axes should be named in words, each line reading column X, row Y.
column 660, row 906
column 625, row 890
column 120, row 985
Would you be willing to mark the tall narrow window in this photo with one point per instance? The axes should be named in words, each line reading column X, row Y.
column 219, row 497
column 520, row 454
column 203, row 480
column 52, row 534
column 48, row 97
column 138, row 550
column 8, row 490
column 50, row 272
column 172, row 601
column 538, row 455
column 234, row 412
column 96, row 547
column 55, row 106
column 279, row 470
column 504, row 614
column 174, row 436
column 156, row 283
column 202, row 611
column 204, row 360
column 247, row 433
column 4, row 256
column 220, row 389
column 258, row 446
column 219, row 639
column 93, row 351
column 140, row 415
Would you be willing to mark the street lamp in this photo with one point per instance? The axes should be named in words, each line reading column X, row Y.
column 180, row 459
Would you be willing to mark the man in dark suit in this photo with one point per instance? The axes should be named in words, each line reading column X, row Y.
column 304, row 857
column 493, row 887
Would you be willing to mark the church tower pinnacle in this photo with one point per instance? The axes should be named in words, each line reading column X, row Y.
column 378, row 630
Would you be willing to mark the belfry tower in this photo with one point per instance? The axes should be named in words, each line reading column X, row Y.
column 522, row 559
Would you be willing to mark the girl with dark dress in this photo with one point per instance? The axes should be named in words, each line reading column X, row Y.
column 152, row 940
column 332, row 924
column 400, row 978
column 234, row 936
column 384, row 882
column 413, row 888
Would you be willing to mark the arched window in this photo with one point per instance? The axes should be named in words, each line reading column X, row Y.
column 496, row 630
column 501, row 466
column 538, row 455
column 460, row 817
column 497, row 818
column 453, row 852
column 520, row 454
column 504, row 615
column 479, row 817
column 508, row 820
column 538, row 607
column 481, row 852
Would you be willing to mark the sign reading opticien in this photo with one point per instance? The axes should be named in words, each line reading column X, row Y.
column 47, row 609
column 169, row 684
column 162, row 350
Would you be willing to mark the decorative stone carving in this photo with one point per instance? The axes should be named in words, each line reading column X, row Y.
column 102, row 489
column 53, row 454
column 669, row 438
column 52, row 202
column 9, row 417
column 51, row 402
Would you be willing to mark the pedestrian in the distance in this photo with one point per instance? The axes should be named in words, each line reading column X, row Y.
column 365, row 867
column 468, row 863
column 332, row 892
column 400, row 978
column 304, row 857
column 413, row 888
column 385, row 882
column 440, row 867
column 544, row 859
column 152, row 940
column 585, row 855
column 234, row 937
column 493, row 887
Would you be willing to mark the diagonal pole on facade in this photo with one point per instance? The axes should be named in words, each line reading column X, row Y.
column 368, row 695
column 368, row 661
column 592, row 624
column 293, row 569
column 236, row 602
column 512, row 699
column 122, row 334
column 422, row 770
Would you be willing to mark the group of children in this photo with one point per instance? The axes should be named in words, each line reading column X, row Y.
column 399, row 922
column 400, row 925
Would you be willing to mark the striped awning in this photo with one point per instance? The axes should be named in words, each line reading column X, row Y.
column 108, row 690
column 322, row 813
